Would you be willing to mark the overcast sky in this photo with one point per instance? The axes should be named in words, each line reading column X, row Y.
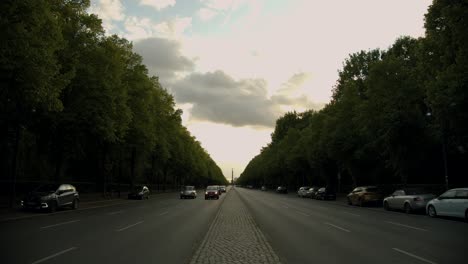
column 235, row 66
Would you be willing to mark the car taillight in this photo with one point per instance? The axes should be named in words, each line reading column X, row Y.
column 417, row 199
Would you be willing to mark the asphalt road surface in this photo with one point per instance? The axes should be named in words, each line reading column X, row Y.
column 165, row 229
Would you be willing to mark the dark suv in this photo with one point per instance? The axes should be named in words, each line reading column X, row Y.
column 52, row 197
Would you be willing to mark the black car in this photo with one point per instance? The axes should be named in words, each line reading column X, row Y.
column 139, row 192
column 52, row 197
column 325, row 193
column 282, row 189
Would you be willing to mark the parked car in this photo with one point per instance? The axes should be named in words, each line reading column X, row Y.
column 264, row 188
column 311, row 192
column 302, row 191
column 139, row 193
column 52, row 197
column 408, row 200
column 188, row 192
column 453, row 203
column 325, row 193
column 364, row 195
column 212, row 192
column 282, row 189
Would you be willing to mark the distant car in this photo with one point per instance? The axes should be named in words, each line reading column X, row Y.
column 310, row 193
column 302, row 191
column 408, row 200
column 325, row 193
column 139, row 193
column 281, row 189
column 364, row 195
column 52, row 197
column 453, row 203
column 223, row 188
column 212, row 192
column 188, row 192
column 264, row 188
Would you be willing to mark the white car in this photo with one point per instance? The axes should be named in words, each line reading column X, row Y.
column 302, row 191
column 409, row 200
column 453, row 202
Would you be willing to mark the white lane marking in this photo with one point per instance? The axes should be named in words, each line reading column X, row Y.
column 127, row 227
column 407, row 226
column 116, row 212
column 59, row 224
column 350, row 213
column 163, row 213
column 337, row 227
column 414, row 256
column 302, row 213
column 53, row 255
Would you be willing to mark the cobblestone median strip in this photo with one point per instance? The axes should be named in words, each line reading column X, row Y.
column 234, row 237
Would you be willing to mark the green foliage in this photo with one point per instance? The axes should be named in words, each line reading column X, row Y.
column 82, row 106
column 391, row 113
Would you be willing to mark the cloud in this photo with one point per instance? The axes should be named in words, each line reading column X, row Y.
column 294, row 83
column 163, row 57
column 219, row 98
column 206, row 14
column 174, row 27
column 158, row 4
column 109, row 11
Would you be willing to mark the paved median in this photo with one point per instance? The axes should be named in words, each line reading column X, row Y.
column 234, row 237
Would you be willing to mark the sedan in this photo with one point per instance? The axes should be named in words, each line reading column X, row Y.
column 325, row 193
column 302, row 191
column 212, row 192
column 188, row 192
column 312, row 192
column 453, row 203
column 408, row 200
column 282, row 189
column 364, row 195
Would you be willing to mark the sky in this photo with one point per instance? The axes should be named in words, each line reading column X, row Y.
column 235, row 66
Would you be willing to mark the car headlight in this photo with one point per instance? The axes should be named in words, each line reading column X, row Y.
column 181, row 192
column 206, row 192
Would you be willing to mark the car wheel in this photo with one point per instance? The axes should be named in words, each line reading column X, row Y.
column 361, row 202
column 431, row 211
column 408, row 208
column 385, row 206
column 53, row 206
column 75, row 204
column 349, row 202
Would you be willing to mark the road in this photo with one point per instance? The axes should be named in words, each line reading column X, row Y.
column 163, row 229
column 283, row 228
column 310, row 231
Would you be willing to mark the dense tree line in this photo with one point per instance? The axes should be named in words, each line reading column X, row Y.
column 397, row 116
column 78, row 105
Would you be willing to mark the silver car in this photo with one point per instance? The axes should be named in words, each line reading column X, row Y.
column 188, row 192
column 302, row 191
column 408, row 200
column 453, row 203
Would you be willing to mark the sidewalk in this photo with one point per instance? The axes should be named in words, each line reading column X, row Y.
column 234, row 237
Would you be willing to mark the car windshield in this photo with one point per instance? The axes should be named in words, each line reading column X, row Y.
column 212, row 188
column 47, row 188
column 372, row 189
column 189, row 188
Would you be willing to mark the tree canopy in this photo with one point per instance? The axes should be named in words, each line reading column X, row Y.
column 397, row 116
column 79, row 105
